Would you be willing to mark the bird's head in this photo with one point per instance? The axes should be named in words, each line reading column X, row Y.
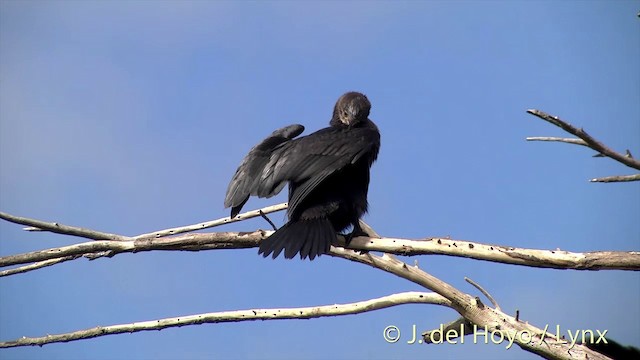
column 351, row 109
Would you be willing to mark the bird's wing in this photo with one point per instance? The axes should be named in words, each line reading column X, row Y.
column 245, row 181
column 307, row 161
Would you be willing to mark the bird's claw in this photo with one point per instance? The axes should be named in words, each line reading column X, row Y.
column 354, row 234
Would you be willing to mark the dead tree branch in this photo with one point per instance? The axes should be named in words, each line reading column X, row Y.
column 470, row 308
column 558, row 139
column 484, row 292
column 597, row 260
column 38, row 225
column 37, row 265
column 620, row 178
column 487, row 320
column 475, row 315
column 168, row 240
column 236, row 316
column 588, row 141
column 209, row 224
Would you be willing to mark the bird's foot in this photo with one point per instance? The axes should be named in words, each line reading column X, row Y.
column 355, row 233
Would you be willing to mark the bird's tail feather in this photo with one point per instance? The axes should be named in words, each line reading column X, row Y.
column 310, row 238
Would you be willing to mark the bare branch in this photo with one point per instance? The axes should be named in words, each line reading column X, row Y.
column 62, row 229
column 558, row 139
column 186, row 242
column 620, row 178
column 38, row 225
column 491, row 319
column 412, row 273
column 484, row 292
column 213, row 223
column 368, row 229
column 485, row 319
column 467, row 306
column 558, row 259
column 239, row 315
column 590, row 141
column 37, row 265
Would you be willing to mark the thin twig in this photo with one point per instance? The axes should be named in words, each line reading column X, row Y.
column 213, row 223
column 484, row 292
column 38, row 225
column 620, row 178
column 413, row 297
column 558, row 139
column 591, row 142
column 37, row 265
column 63, row 229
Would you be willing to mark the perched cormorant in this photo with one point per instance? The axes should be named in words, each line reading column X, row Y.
column 328, row 176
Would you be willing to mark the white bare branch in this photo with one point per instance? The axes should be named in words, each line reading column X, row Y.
column 484, row 292
column 37, row 265
column 213, row 223
column 413, row 297
column 558, row 139
column 618, row 178
column 558, row 259
column 486, row 319
column 38, row 225
column 61, row 228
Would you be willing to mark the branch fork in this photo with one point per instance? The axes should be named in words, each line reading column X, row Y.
column 587, row 140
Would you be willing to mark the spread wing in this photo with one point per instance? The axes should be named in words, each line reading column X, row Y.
column 309, row 160
column 245, row 181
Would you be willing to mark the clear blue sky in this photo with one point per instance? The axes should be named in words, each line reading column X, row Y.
column 129, row 117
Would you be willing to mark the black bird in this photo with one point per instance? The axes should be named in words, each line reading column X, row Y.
column 328, row 176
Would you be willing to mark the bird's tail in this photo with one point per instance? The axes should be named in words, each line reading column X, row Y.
column 310, row 238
